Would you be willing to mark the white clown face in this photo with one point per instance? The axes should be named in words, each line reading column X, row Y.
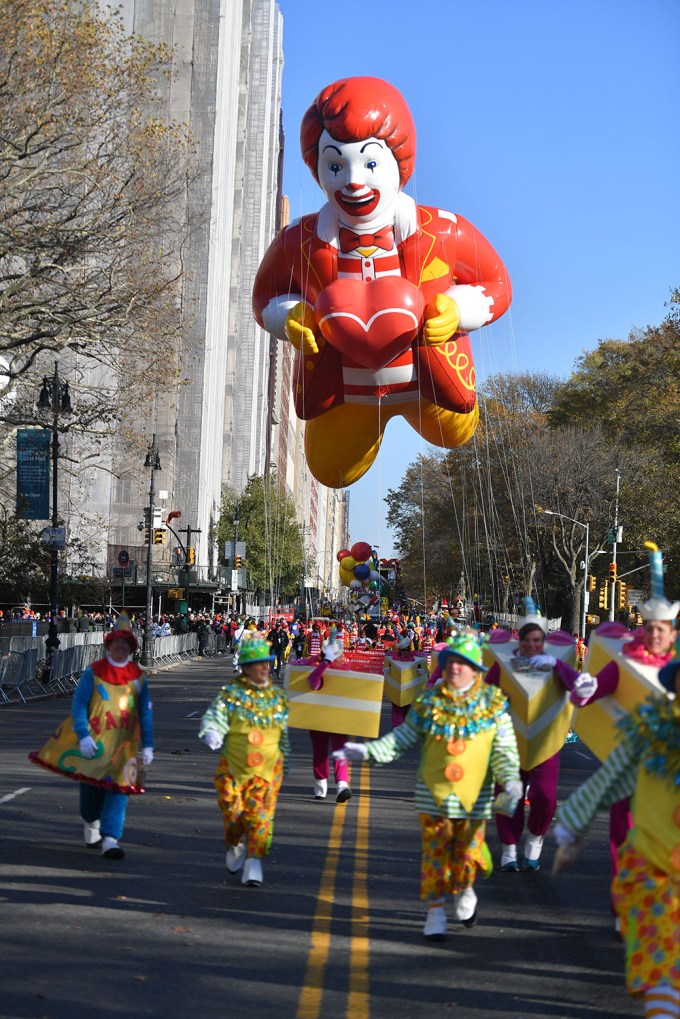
column 360, row 179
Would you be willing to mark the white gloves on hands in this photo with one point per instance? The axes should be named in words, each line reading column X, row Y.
column 212, row 739
column 506, row 802
column 569, row 848
column 147, row 757
column 585, row 686
column 352, row 752
column 332, row 651
column 88, row 747
column 540, row 661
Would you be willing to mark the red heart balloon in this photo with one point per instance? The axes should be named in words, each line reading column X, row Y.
column 370, row 323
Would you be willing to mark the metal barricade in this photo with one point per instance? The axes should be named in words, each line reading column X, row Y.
column 174, row 649
column 18, row 678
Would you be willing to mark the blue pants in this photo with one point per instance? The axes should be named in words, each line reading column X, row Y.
column 103, row 805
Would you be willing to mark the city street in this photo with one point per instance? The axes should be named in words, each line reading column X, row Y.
column 336, row 928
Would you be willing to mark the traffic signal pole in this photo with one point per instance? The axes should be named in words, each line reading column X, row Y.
column 612, row 591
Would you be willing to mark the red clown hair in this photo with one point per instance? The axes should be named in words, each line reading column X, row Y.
column 354, row 109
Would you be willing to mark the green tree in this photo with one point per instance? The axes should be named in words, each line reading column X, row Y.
column 275, row 555
column 91, row 181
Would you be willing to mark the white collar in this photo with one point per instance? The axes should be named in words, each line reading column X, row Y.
column 119, row 665
column 405, row 221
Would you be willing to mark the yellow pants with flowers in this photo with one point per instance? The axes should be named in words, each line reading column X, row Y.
column 248, row 809
column 453, row 851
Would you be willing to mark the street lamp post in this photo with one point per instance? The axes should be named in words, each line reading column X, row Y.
column 153, row 461
column 54, row 396
column 586, row 526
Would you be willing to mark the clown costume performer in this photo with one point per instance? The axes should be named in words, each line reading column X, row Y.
column 646, row 890
column 467, row 741
column 248, row 722
column 99, row 744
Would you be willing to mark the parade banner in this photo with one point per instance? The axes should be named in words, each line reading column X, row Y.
column 33, row 474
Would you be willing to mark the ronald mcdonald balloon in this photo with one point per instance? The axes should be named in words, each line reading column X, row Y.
column 378, row 295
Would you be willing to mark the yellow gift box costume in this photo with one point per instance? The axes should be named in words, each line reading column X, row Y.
column 107, row 705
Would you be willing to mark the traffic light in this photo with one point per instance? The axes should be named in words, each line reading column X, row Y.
column 191, row 555
column 621, row 595
column 238, row 562
column 592, row 583
column 147, row 525
column 603, row 595
column 612, row 573
column 158, row 536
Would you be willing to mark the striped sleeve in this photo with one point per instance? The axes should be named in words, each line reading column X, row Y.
column 504, row 758
column 613, row 781
column 391, row 746
column 216, row 717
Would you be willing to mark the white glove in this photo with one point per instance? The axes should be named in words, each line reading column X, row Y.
column 514, row 789
column 212, row 739
column 352, row 752
column 540, row 660
column 506, row 802
column 585, row 686
column 563, row 836
column 88, row 747
column 147, row 757
column 332, row 651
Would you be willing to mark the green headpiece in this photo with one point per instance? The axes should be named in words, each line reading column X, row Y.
column 255, row 649
column 465, row 646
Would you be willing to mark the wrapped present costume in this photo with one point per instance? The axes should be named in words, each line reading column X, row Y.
column 251, row 723
column 646, row 891
column 467, row 742
column 111, row 710
column 626, row 673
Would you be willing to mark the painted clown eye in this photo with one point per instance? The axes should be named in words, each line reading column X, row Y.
column 335, row 168
column 371, row 164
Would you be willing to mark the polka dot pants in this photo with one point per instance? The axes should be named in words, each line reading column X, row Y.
column 453, row 851
column 248, row 809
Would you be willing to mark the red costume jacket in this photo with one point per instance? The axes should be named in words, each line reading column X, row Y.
column 442, row 252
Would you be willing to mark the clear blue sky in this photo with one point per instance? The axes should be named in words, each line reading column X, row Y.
column 550, row 126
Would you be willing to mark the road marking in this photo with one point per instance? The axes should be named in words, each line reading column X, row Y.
column 586, row 757
column 311, row 993
column 11, row 796
column 191, row 714
column 358, row 999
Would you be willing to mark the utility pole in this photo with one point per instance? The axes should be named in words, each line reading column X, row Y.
column 153, row 461
column 237, row 520
column 612, row 592
column 188, row 550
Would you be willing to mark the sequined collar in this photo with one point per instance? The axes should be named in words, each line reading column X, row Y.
column 653, row 733
column 442, row 713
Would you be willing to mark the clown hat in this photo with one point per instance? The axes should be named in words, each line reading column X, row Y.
column 532, row 616
column 658, row 607
column 122, row 630
column 255, row 649
column 465, row 646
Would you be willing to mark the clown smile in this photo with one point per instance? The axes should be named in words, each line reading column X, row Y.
column 359, row 205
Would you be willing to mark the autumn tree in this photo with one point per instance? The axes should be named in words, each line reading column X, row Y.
column 91, row 174
column 275, row 556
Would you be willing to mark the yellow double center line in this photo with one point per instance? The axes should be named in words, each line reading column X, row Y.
column 311, row 994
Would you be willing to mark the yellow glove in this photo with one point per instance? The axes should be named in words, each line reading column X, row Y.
column 441, row 319
column 299, row 328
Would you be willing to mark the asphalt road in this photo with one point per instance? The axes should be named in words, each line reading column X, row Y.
column 335, row 930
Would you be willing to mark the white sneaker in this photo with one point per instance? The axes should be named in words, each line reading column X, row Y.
column 466, row 907
column 110, row 848
column 509, row 862
column 92, row 834
column 320, row 788
column 435, row 924
column 532, row 852
column 252, row 873
column 235, row 858
column 344, row 793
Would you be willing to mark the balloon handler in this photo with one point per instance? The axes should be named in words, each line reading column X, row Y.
column 467, row 742
column 248, row 722
column 99, row 744
column 646, row 889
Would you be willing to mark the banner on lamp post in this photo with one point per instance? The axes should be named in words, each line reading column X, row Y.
column 33, row 474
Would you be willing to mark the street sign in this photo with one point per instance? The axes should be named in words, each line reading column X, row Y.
column 33, row 474
column 614, row 535
column 234, row 580
column 123, row 557
column 635, row 596
column 53, row 537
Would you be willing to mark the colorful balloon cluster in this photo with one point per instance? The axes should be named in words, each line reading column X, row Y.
column 359, row 567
